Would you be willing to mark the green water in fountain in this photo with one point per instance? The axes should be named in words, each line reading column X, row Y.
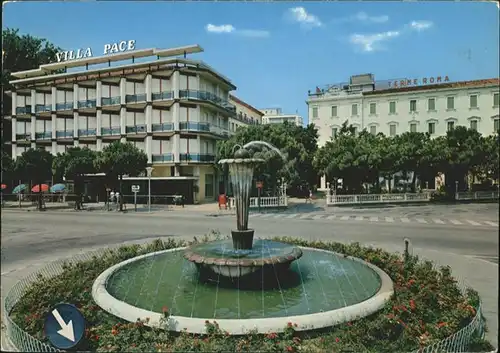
column 318, row 281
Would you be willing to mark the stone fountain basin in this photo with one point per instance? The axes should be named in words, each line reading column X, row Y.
column 316, row 320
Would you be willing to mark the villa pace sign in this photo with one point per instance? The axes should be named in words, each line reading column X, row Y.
column 418, row 82
column 111, row 48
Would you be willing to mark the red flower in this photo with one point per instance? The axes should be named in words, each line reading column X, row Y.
column 290, row 324
column 390, row 316
column 132, row 345
column 412, row 304
column 96, row 337
column 164, row 309
column 207, row 322
column 349, row 323
column 114, row 332
column 337, row 339
column 289, row 349
column 441, row 324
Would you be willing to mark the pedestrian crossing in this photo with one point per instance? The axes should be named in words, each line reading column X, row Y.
column 420, row 220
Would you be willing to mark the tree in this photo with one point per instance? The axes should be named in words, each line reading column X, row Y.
column 35, row 165
column 297, row 144
column 20, row 53
column 73, row 165
column 119, row 159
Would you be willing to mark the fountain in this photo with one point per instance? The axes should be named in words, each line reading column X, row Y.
column 244, row 284
column 242, row 258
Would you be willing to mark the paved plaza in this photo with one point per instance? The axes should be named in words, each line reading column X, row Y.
column 32, row 239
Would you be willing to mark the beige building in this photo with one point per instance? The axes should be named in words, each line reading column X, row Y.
column 276, row 116
column 245, row 114
column 173, row 107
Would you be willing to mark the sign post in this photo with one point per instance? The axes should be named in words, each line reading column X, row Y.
column 135, row 190
column 259, row 185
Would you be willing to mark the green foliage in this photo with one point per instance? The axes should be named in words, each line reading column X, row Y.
column 34, row 165
column 297, row 143
column 427, row 306
column 74, row 162
column 118, row 159
column 365, row 158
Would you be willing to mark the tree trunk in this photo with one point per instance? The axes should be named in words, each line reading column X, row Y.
column 40, row 197
column 121, row 193
column 413, row 181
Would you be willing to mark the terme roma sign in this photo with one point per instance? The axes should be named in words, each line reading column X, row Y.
column 418, row 82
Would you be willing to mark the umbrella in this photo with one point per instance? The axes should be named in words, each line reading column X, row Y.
column 37, row 187
column 4, row 186
column 19, row 188
column 57, row 188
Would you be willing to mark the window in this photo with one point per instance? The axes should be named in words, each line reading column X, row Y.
column 473, row 124
column 334, row 110
column 392, row 130
column 450, row 125
column 315, row 112
column 334, row 132
column 496, row 98
column 373, row 108
column 431, row 104
column 209, row 185
column 431, row 128
column 413, row 105
column 413, row 127
column 496, row 125
column 450, row 103
column 392, row 107
column 354, row 110
column 473, row 101
column 373, row 130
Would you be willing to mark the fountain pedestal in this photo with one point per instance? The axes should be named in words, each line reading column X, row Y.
column 242, row 239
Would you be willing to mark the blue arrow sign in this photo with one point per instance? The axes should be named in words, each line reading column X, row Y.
column 64, row 326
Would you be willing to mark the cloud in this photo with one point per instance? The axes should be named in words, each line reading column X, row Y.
column 372, row 42
column 420, row 25
column 363, row 17
column 301, row 16
column 230, row 29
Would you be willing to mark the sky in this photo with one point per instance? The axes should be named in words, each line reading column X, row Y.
column 274, row 52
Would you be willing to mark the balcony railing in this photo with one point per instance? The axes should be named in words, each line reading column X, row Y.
column 135, row 129
column 207, row 96
column 23, row 137
column 110, row 131
column 197, row 157
column 64, row 106
column 194, row 126
column 64, row 134
column 246, row 120
column 110, row 101
column 87, row 132
column 23, row 110
column 162, row 158
column 163, row 127
column 46, row 135
column 40, row 108
column 165, row 95
column 135, row 98
column 89, row 103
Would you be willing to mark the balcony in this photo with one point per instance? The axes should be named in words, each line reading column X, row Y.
column 110, row 101
column 64, row 134
column 110, row 131
column 23, row 137
column 246, row 120
column 87, row 104
column 135, row 98
column 162, row 158
column 194, row 126
column 40, row 108
column 46, row 135
column 163, row 127
column 87, row 132
column 162, row 95
column 197, row 157
column 64, row 106
column 26, row 110
column 207, row 96
column 135, row 129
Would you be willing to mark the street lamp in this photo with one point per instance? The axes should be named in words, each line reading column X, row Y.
column 149, row 170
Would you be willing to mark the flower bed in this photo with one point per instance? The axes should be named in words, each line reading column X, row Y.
column 427, row 307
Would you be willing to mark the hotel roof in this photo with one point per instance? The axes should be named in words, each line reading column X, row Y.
column 459, row 84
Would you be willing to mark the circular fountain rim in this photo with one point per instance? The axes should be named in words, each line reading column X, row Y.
column 242, row 326
column 241, row 160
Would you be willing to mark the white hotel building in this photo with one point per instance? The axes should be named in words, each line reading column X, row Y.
column 276, row 116
column 173, row 108
column 432, row 105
